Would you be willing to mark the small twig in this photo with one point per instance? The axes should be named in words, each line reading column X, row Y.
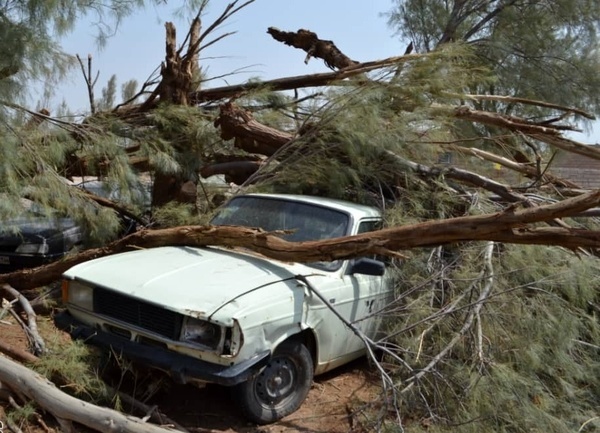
column 11, row 424
column 37, row 416
column 6, row 306
column 479, row 337
column 22, row 325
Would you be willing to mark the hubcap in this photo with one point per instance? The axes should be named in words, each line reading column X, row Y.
column 276, row 382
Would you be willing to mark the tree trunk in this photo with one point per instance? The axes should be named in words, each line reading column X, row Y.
column 509, row 226
column 179, row 81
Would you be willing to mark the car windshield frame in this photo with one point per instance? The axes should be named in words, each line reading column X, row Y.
column 307, row 221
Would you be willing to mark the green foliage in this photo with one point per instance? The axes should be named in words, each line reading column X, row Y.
column 23, row 414
column 176, row 214
column 544, row 50
column 530, row 361
column 177, row 141
column 71, row 363
column 345, row 151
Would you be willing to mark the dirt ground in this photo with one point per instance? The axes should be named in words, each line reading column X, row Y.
column 334, row 405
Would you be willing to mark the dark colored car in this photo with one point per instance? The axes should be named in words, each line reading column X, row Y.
column 35, row 238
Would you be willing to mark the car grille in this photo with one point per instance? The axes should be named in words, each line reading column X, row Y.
column 138, row 313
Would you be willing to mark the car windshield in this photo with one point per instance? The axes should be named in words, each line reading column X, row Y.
column 307, row 222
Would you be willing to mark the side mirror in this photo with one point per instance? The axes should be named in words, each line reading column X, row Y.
column 367, row 266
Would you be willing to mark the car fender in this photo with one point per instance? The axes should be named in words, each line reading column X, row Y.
column 267, row 316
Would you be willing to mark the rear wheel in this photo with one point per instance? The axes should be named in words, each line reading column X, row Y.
column 280, row 388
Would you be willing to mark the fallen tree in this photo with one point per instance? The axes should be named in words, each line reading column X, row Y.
column 251, row 145
column 511, row 225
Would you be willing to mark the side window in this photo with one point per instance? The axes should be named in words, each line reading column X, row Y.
column 369, row 226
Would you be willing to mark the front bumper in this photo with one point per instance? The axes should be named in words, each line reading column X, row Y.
column 181, row 368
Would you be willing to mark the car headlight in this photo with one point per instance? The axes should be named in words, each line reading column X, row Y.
column 201, row 332
column 29, row 248
column 78, row 294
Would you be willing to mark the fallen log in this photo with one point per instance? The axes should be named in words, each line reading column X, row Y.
column 511, row 225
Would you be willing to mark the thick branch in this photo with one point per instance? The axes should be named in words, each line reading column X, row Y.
column 314, row 47
column 301, row 81
column 251, row 136
column 508, row 226
column 543, row 133
column 236, row 171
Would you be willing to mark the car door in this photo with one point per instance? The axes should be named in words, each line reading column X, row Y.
column 362, row 296
column 355, row 297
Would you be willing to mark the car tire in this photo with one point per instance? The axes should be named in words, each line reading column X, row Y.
column 280, row 388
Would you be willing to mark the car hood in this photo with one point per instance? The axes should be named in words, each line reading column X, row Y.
column 191, row 281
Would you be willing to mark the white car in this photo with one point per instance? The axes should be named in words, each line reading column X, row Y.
column 234, row 317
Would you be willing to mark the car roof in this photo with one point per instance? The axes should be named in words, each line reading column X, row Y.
column 358, row 211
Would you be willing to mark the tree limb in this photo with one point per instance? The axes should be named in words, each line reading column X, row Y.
column 314, row 47
column 510, row 226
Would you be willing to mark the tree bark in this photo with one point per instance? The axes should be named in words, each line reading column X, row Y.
column 510, row 226
column 250, row 135
column 236, row 172
column 314, row 47
column 301, row 81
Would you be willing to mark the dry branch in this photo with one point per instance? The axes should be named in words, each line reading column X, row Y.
column 537, row 131
column 89, row 81
column 314, row 47
column 525, row 169
column 236, row 171
column 524, row 101
column 301, row 81
column 16, row 352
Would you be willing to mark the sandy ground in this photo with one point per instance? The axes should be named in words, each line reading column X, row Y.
column 334, row 404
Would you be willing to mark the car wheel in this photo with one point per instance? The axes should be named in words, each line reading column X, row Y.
column 280, row 388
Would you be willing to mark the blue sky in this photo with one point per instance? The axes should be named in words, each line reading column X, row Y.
column 137, row 48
